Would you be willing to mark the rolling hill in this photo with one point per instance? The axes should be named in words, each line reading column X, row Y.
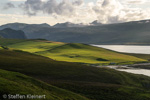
column 136, row 32
column 71, row 52
column 91, row 82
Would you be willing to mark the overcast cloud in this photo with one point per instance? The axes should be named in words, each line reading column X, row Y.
column 105, row 11
column 8, row 6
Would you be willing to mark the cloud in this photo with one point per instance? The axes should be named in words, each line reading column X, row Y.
column 22, row 0
column 65, row 7
column 105, row 11
column 108, row 11
column 136, row 1
column 17, row 0
column 112, row 11
column 8, row 6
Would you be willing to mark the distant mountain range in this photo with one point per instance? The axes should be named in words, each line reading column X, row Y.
column 135, row 32
column 12, row 34
column 21, row 26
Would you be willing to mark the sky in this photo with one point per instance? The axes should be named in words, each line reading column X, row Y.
column 75, row 11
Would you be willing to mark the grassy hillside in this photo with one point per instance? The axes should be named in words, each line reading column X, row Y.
column 91, row 82
column 16, row 83
column 87, row 54
column 71, row 52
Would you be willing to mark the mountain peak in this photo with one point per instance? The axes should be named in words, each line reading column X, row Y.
column 95, row 23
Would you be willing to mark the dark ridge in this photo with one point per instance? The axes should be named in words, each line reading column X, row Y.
column 12, row 34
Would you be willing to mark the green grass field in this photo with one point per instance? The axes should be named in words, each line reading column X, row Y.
column 71, row 52
column 91, row 82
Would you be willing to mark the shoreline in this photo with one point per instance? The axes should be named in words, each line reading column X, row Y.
column 134, row 68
